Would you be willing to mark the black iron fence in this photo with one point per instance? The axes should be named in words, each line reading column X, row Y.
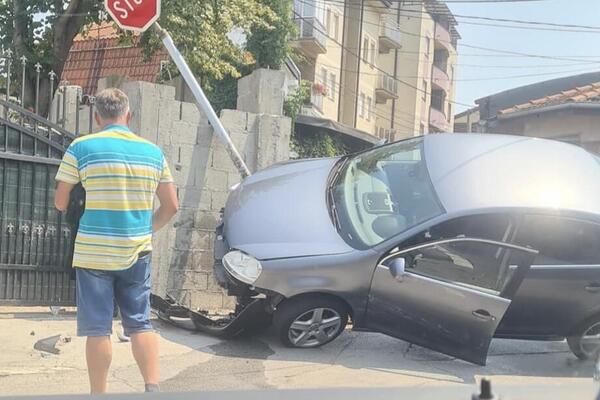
column 34, row 239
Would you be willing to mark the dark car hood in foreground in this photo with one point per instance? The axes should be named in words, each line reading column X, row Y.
column 282, row 212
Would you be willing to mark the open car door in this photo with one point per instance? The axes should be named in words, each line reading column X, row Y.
column 448, row 295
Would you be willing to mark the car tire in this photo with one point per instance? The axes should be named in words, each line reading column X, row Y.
column 310, row 321
column 581, row 349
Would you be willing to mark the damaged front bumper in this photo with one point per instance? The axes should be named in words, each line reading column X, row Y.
column 252, row 313
column 251, row 318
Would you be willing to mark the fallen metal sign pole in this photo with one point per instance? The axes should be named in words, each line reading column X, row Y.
column 203, row 102
column 138, row 16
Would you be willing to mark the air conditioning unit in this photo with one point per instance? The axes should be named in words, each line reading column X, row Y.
column 389, row 134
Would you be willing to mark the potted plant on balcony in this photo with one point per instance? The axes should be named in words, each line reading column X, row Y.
column 319, row 89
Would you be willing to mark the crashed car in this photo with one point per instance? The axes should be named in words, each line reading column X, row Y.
column 444, row 241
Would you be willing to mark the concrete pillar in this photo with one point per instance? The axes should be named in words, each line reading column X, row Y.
column 262, row 92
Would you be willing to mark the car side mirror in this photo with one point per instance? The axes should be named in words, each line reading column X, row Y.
column 397, row 268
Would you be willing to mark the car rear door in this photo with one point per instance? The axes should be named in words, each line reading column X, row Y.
column 448, row 295
column 563, row 287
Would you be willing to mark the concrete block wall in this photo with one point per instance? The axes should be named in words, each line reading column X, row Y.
column 203, row 173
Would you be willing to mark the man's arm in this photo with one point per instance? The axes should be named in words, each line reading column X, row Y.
column 169, row 205
column 62, row 196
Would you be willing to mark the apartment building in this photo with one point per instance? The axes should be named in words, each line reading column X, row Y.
column 382, row 67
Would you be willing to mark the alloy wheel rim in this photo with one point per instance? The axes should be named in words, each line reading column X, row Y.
column 590, row 340
column 315, row 327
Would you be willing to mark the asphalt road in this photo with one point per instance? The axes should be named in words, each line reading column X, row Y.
column 191, row 361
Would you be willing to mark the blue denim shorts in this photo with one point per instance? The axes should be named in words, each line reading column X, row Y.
column 130, row 288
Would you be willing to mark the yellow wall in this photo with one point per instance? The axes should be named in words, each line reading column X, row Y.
column 356, row 77
column 331, row 60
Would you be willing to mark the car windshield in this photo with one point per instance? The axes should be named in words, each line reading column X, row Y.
column 383, row 192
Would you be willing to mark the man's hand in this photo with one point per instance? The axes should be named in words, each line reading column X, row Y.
column 62, row 196
column 169, row 205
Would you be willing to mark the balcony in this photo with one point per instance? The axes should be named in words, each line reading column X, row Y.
column 387, row 88
column 443, row 38
column 438, row 120
column 389, row 35
column 311, row 39
column 315, row 106
column 441, row 79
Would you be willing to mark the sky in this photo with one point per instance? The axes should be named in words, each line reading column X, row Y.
column 481, row 73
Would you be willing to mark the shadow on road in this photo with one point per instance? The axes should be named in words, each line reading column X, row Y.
column 377, row 352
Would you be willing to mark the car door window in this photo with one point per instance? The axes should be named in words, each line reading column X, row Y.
column 464, row 263
column 560, row 241
column 496, row 227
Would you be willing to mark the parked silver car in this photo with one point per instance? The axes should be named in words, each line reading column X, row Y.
column 444, row 241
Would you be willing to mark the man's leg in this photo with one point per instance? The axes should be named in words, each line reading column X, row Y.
column 132, row 291
column 145, row 351
column 94, row 320
column 98, row 353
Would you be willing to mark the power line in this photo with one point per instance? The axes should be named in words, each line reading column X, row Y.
column 376, row 67
column 505, row 52
column 339, row 86
column 467, row 79
column 537, row 25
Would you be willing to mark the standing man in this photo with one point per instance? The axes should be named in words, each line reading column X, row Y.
column 121, row 173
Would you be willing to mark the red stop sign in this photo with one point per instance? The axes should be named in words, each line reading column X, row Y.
column 134, row 15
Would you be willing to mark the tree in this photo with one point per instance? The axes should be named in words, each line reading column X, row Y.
column 43, row 31
column 270, row 46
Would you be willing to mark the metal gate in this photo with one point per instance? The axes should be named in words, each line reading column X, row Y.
column 34, row 239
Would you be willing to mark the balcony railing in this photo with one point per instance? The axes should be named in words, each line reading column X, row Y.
column 443, row 37
column 311, row 39
column 389, row 35
column 438, row 120
column 314, row 107
column 441, row 79
column 387, row 88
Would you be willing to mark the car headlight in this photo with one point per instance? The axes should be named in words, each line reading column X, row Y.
column 242, row 266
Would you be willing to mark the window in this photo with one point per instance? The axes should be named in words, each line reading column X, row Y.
column 463, row 263
column 328, row 25
column 373, row 52
column 424, row 95
column 361, row 105
column 560, row 241
column 427, row 46
column 336, row 26
column 369, row 108
column 331, row 91
column 324, row 76
column 373, row 182
column 366, row 49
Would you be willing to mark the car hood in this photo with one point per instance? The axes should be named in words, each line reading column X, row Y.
column 281, row 212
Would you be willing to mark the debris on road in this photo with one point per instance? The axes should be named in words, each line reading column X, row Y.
column 48, row 345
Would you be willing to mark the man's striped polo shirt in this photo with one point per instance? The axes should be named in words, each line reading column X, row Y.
column 120, row 173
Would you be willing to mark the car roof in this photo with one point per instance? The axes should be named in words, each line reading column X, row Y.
column 480, row 171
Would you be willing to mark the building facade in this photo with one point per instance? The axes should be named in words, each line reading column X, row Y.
column 381, row 67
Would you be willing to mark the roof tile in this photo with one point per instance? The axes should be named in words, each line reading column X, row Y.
column 94, row 56
column 581, row 94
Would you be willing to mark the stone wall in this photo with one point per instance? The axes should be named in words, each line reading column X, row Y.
column 203, row 173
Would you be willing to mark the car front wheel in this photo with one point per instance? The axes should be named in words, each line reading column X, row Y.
column 585, row 344
column 310, row 321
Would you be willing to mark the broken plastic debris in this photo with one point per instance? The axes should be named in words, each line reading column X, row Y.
column 48, row 345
